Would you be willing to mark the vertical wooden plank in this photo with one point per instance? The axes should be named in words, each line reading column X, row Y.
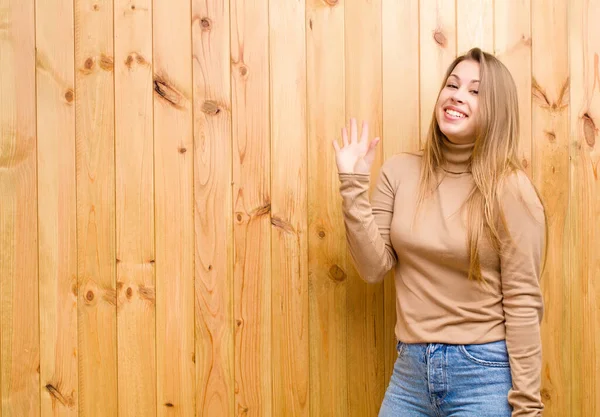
column 19, row 315
column 437, row 25
column 135, row 208
column 328, row 268
column 95, row 208
column 400, row 26
column 174, row 208
column 365, row 301
column 94, row 83
column 550, row 159
column 289, row 179
column 57, row 208
column 475, row 24
column 252, row 206
column 213, row 209
column 512, row 45
column 584, row 203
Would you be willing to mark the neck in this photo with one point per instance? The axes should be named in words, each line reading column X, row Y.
column 457, row 156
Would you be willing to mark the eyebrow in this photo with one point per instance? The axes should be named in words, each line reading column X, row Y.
column 455, row 76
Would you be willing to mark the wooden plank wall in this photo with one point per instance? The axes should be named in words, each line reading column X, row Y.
column 550, row 163
column 171, row 240
column 57, row 239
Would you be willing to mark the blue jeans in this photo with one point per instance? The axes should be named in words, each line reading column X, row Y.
column 440, row 380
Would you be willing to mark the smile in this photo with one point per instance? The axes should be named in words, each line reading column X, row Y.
column 455, row 114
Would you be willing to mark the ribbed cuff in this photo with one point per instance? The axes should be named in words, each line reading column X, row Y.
column 354, row 176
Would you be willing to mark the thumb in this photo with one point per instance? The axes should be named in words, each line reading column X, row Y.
column 370, row 156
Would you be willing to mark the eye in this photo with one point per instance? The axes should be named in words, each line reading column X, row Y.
column 452, row 86
column 475, row 92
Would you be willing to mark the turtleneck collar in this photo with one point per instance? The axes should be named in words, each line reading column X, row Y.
column 457, row 156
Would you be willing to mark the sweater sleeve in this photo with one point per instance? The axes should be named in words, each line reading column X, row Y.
column 367, row 224
column 520, row 263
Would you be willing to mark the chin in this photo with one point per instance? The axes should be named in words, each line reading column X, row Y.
column 457, row 136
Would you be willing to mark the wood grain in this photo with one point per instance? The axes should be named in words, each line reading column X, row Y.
column 57, row 208
column 584, row 209
column 550, row 159
column 289, row 262
column 329, row 264
column 475, row 24
column 213, row 209
column 136, row 324
column 365, row 302
column 97, row 338
column 400, row 25
column 252, row 207
column 174, row 209
column 19, row 314
column 437, row 27
column 512, row 45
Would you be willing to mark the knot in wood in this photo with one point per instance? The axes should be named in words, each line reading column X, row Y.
column 205, row 23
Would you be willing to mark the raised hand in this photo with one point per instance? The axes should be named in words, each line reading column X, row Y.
column 355, row 156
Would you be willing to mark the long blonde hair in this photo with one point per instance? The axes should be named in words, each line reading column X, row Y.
column 495, row 152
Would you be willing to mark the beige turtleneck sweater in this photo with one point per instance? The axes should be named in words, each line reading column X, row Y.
column 435, row 301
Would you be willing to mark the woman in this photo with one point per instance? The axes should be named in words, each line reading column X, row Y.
column 464, row 230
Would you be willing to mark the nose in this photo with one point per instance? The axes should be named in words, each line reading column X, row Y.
column 458, row 96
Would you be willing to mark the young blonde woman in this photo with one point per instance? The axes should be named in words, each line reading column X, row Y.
column 464, row 230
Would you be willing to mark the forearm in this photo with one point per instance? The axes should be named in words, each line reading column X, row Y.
column 525, row 352
column 371, row 252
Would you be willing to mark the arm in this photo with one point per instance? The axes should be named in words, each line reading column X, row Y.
column 520, row 258
column 367, row 223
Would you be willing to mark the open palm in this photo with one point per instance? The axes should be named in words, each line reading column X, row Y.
column 356, row 155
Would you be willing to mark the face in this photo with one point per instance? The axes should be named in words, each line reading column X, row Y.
column 458, row 105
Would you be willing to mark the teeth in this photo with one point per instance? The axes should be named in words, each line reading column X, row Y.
column 454, row 113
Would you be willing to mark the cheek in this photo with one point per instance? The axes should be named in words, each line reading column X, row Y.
column 474, row 107
column 442, row 98
column 475, row 116
column 438, row 110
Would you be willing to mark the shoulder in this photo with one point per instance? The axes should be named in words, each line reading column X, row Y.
column 399, row 168
column 518, row 186
column 402, row 163
column 519, row 197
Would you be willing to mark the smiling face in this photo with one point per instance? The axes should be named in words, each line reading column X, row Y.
column 457, row 107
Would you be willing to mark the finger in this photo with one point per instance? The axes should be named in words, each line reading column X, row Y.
column 365, row 132
column 353, row 131
column 336, row 146
column 345, row 136
column 372, row 152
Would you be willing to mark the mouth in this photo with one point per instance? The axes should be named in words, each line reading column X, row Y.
column 454, row 113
